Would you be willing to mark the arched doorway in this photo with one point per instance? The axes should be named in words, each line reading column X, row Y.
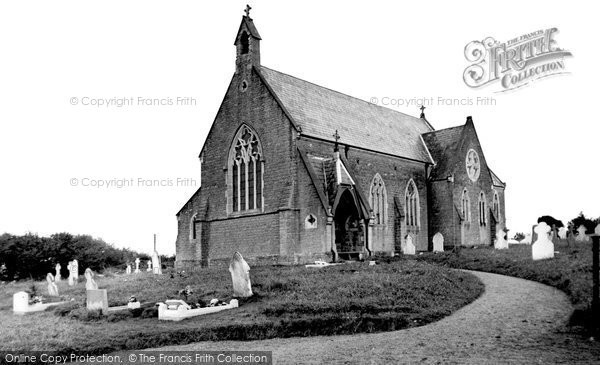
column 349, row 228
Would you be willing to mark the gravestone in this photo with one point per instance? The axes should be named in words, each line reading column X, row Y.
column 20, row 302
column 501, row 242
column 562, row 233
column 76, row 269
column 149, row 265
column 156, row 267
column 543, row 248
column 90, row 284
column 97, row 299
column 409, row 247
column 240, row 276
column 137, row 265
column 581, row 236
column 438, row 242
column 71, row 269
column 128, row 270
column 57, row 276
column 52, row 288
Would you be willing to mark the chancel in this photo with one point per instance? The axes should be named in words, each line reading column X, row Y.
column 294, row 172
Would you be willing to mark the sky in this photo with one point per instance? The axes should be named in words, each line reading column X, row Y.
column 104, row 106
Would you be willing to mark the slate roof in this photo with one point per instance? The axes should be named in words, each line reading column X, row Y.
column 251, row 28
column 320, row 112
column 441, row 145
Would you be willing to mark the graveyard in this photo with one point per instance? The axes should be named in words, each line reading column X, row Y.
column 285, row 301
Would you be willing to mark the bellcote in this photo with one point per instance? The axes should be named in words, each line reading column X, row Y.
column 247, row 44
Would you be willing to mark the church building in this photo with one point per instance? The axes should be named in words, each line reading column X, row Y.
column 292, row 172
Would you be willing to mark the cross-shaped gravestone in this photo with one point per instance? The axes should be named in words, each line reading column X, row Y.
column 247, row 10
column 581, row 236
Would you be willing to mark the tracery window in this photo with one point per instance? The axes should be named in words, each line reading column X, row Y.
column 412, row 211
column 378, row 200
column 466, row 206
column 246, row 165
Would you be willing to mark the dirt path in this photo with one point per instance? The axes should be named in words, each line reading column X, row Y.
column 514, row 321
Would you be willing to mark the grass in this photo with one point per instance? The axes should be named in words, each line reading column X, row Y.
column 288, row 301
column 569, row 271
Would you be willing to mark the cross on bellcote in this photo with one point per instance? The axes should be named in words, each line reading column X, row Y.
column 337, row 138
column 422, row 111
column 247, row 11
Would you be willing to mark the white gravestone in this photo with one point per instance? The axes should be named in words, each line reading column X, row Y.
column 52, row 288
column 240, row 276
column 156, row 267
column 20, row 302
column 149, row 265
column 597, row 230
column 438, row 242
column 71, row 269
column 76, row 269
column 128, row 270
column 97, row 299
column 581, row 236
column 501, row 242
column 90, row 284
column 543, row 248
column 137, row 265
column 409, row 247
column 562, row 233
column 57, row 276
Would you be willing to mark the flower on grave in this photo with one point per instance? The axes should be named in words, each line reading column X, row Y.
column 36, row 299
column 186, row 292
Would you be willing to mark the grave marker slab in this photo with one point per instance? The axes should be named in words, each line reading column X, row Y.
column 438, row 242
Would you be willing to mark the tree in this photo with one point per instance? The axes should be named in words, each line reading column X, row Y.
column 519, row 236
column 550, row 221
column 581, row 219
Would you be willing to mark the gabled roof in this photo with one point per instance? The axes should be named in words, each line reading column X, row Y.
column 496, row 180
column 320, row 112
column 250, row 26
column 441, row 145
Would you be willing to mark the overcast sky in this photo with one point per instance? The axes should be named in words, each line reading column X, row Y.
column 542, row 139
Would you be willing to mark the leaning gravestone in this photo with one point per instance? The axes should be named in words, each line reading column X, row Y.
column 90, row 283
column 562, row 233
column 438, row 242
column 581, row 236
column 543, row 248
column 52, row 288
column 57, row 276
column 501, row 242
column 240, row 276
column 409, row 247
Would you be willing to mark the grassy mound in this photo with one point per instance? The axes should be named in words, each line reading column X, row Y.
column 570, row 270
column 289, row 301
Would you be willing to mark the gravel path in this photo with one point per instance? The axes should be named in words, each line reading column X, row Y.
column 514, row 321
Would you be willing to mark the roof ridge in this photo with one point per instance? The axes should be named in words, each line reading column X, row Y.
column 445, row 129
column 344, row 94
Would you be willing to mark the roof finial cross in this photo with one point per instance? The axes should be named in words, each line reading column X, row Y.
column 247, row 11
column 422, row 111
column 337, row 138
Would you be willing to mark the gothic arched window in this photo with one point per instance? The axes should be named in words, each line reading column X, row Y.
column 378, row 200
column 193, row 233
column 482, row 208
column 466, row 206
column 412, row 210
column 496, row 205
column 246, row 166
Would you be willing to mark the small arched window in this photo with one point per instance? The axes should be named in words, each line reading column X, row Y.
column 482, row 209
column 245, row 41
column 466, row 206
column 496, row 205
column 378, row 200
column 193, row 233
column 245, row 182
column 412, row 210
